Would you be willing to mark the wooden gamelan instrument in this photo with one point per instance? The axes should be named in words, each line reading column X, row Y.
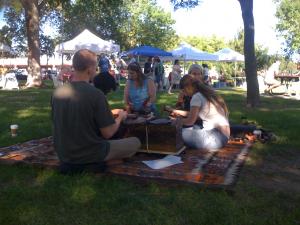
column 156, row 135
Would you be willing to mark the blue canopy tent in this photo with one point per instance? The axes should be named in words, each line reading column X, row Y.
column 147, row 50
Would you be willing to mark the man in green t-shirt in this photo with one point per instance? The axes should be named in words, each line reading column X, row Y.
column 83, row 121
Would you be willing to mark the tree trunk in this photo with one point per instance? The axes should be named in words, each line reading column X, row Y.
column 249, row 52
column 32, row 29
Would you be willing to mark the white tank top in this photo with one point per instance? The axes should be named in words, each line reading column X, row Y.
column 211, row 117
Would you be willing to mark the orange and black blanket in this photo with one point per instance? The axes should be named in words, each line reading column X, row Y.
column 200, row 167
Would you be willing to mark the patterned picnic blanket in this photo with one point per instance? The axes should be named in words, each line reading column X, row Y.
column 203, row 167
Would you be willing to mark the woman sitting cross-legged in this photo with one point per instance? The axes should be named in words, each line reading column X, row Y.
column 139, row 92
column 211, row 109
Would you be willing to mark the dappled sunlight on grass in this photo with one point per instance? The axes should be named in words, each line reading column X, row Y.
column 25, row 213
column 43, row 177
column 116, row 103
column 254, row 161
column 283, row 109
column 265, row 109
column 258, row 150
column 166, row 101
column 83, row 193
column 32, row 111
column 20, row 100
column 283, row 140
column 231, row 92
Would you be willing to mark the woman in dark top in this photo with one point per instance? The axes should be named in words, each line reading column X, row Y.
column 148, row 66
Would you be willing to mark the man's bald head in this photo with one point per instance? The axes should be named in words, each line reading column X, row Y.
column 83, row 59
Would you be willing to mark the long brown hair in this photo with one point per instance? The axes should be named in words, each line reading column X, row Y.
column 209, row 93
column 134, row 66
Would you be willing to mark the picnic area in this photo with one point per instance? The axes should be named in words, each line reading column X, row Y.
column 178, row 112
column 266, row 192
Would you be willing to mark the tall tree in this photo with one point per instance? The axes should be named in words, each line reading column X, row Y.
column 15, row 23
column 5, row 36
column 32, row 9
column 249, row 47
column 32, row 33
column 249, row 52
column 47, row 46
column 288, row 14
column 150, row 25
column 32, row 20
column 129, row 23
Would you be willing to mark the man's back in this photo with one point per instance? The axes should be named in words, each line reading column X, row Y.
column 78, row 112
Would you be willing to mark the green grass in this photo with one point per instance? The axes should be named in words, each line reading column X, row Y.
column 35, row 196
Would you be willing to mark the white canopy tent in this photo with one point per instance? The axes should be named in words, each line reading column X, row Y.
column 88, row 40
column 229, row 55
column 190, row 53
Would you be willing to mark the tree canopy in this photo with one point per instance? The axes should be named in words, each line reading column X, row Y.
column 129, row 23
column 108, row 18
column 208, row 44
column 288, row 14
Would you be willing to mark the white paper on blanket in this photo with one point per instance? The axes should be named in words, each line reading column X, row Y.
column 164, row 162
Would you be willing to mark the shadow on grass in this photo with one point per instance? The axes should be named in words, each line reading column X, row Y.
column 45, row 197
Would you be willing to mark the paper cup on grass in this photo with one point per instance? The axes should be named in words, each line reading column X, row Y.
column 14, row 129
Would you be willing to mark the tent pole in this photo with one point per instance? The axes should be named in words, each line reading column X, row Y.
column 2, row 63
column 184, row 65
column 234, row 73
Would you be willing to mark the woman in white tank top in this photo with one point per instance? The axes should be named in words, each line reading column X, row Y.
column 212, row 110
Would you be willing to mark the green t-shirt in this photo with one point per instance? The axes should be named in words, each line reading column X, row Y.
column 79, row 110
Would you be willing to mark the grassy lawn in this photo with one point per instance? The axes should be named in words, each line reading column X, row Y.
column 268, row 191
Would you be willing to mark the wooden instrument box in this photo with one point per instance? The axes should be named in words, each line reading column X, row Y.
column 157, row 136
